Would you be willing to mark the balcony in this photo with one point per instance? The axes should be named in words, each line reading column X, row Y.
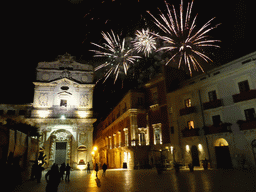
column 190, row 132
column 187, row 110
column 247, row 125
column 225, row 127
column 212, row 104
column 244, row 96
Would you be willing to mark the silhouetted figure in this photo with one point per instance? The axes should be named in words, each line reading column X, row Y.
column 67, row 172
column 104, row 167
column 39, row 172
column 96, row 169
column 54, row 179
column 62, row 170
column 16, row 173
column 33, row 170
column 88, row 167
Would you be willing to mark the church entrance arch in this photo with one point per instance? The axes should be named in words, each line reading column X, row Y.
column 222, row 153
column 60, row 146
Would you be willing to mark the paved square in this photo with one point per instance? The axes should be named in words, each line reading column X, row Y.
column 149, row 180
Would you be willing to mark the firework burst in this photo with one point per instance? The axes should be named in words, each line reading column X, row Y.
column 144, row 42
column 182, row 39
column 119, row 55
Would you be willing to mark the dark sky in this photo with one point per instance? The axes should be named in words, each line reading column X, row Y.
column 35, row 31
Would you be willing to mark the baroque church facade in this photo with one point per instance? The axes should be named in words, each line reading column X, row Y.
column 62, row 111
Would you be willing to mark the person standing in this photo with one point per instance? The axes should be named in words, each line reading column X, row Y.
column 104, row 167
column 39, row 172
column 88, row 167
column 62, row 170
column 54, row 179
column 67, row 172
column 96, row 169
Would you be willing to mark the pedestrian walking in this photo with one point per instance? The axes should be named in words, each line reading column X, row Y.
column 62, row 170
column 52, row 178
column 88, row 167
column 96, row 169
column 67, row 172
column 39, row 170
column 104, row 167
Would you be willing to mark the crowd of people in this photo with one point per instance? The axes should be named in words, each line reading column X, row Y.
column 56, row 174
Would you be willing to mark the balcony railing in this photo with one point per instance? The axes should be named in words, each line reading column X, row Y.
column 187, row 110
column 246, row 125
column 212, row 104
column 190, row 132
column 244, row 96
column 225, row 127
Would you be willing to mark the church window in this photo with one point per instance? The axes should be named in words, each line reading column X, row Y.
column 63, row 103
column 157, row 133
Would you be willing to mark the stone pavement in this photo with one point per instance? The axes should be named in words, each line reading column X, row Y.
column 149, row 180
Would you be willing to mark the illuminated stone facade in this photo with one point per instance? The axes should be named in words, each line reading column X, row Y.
column 62, row 110
column 213, row 116
column 135, row 131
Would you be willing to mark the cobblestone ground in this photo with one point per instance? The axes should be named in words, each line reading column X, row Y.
column 149, row 180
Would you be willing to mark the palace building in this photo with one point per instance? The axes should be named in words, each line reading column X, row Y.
column 62, row 111
column 208, row 117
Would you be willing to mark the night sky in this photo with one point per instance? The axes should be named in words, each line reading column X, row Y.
column 35, row 31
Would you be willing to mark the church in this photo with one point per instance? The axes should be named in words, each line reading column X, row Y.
column 62, row 111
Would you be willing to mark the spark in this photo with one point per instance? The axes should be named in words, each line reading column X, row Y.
column 119, row 55
column 181, row 38
column 144, row 42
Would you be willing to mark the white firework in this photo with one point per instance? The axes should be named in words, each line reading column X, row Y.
column 181, row 39
column 119, row 56
column 144, row 42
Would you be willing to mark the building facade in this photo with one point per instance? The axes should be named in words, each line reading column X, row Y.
column 213, row 116
column 62, row 111
column 134, row 133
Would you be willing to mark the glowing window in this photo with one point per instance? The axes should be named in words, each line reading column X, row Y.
column 63, row 103
column 191, row 125
column 188, row 103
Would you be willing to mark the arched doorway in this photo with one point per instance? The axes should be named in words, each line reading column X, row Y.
column 60, row 150
column 222, row 153
column 194, row 155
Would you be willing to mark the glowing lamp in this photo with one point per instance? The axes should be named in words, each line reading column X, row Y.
column 82, row 114
column 62, row 117
column 93, row 152
column 171, row 149
column 187, row 148
column 95, row 148
column 200, row 147
column 43, row 113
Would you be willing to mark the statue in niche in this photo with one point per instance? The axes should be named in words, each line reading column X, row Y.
column 43, row 99
column 84, row 100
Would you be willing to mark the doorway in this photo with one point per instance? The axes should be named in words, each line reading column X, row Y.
column 194, row 155
column 222, row 153
column 223, row 157
column 60, row 155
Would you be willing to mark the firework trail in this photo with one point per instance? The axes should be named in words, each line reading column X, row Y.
column 119, row 56
column 144, row 42
column 182, row 39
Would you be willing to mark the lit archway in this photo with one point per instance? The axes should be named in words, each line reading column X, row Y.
column 220, row 142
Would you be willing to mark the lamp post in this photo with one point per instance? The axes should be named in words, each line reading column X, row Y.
column 94, row 154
